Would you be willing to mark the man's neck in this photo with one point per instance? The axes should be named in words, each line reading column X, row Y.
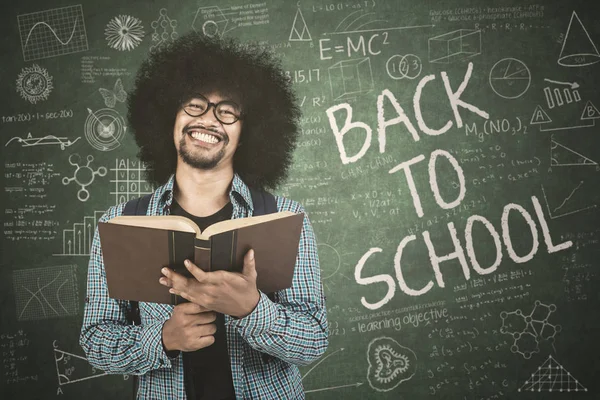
column 202, row 192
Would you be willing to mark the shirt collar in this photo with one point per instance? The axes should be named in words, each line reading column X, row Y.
column 165, row 192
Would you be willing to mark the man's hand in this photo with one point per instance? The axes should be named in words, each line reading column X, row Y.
column 190, row 328
column 226, row 292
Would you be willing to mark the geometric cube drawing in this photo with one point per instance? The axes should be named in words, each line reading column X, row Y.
column 350, row 78
column 43, row 293
column 455, row 46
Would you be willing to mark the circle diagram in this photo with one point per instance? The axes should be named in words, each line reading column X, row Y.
column 104, row 129
column 34, row 84
column 510, row 78
column 408, row 66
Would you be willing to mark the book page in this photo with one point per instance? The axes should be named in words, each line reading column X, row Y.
column 231, row 224
column 169, row 222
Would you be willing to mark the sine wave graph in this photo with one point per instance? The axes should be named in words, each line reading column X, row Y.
column 53, row 32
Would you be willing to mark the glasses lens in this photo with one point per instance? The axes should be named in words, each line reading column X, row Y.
column 228, row 112
column 197, row 106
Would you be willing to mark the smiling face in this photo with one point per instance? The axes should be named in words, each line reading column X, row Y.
column 204, row 142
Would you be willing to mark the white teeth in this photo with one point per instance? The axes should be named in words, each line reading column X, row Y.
column 204, row 137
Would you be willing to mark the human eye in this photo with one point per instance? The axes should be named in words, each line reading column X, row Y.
column 227, row 108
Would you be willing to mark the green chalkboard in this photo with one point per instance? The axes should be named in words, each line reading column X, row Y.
column 448, row 162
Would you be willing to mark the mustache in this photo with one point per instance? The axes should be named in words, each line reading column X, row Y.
column 189, row 128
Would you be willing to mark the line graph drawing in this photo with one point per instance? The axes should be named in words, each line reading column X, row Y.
column 299, row 31
column 357, row 24
column 71, row 368
column 340, row 353
column 34, row 83
column 510, row 78
column 578, row 48
column 30, row 141
column 43, row 293
column 565, row 202
column 552, row 377
column 563, row 156
column 52, row 32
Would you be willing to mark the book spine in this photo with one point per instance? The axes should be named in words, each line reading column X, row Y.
column 223, row 251
column 180, row 249
column 202, row 254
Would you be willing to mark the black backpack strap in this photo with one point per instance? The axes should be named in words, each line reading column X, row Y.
column 263, row 202
column 137, row 206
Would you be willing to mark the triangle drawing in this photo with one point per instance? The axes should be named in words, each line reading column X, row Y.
column 552, row 377
column 578, row 49
column 562, row 156
column 539, row 116
column 71, row 368
column 299, row 32
column 590, row 111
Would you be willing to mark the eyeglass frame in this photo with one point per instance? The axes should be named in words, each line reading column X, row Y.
column 214, row 107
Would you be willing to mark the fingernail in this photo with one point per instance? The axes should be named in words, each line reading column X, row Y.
column 251, row 254
column 187, row 263
column 164, row 271
column 171, row 291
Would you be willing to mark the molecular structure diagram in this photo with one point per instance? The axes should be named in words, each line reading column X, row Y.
column 83, row 175
column 528, row 330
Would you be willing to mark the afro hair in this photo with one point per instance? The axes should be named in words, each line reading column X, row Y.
column 195, row 63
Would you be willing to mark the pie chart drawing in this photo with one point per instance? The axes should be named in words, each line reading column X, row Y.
column 510, row 78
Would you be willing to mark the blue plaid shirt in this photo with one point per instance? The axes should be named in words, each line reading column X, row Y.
column 265, row 347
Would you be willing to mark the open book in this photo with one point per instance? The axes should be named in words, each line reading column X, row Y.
column 135, row 248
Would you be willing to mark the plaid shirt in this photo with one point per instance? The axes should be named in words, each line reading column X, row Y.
column 265, row 347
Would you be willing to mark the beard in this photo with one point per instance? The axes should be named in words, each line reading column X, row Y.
column 200, row 159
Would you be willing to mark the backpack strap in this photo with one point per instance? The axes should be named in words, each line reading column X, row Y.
column 263, row 202
column 137, row 206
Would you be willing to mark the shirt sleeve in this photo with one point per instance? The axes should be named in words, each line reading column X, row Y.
column 109, row 341
column 295, row 327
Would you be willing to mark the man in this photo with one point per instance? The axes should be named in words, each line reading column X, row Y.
column 210, row 118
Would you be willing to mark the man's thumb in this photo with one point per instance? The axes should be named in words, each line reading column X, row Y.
column 249, row 265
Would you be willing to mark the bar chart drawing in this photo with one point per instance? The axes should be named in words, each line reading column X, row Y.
column 77, row 240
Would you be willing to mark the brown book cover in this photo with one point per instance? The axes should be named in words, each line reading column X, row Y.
column 135, row 248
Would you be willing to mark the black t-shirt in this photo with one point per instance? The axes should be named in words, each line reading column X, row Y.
column 207, row 371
